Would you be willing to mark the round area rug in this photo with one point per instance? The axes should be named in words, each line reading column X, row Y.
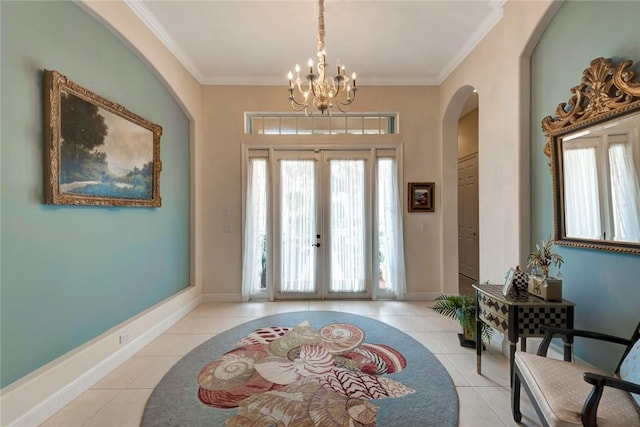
column 311, row 368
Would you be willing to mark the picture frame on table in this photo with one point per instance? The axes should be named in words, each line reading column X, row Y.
column 421, row 197
column 508, row 281
column 97, row 153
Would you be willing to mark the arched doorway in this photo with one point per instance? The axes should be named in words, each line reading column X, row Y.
column 468, row 197
column 450, row 200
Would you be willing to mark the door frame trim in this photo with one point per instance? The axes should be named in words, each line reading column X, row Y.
column 267, row 144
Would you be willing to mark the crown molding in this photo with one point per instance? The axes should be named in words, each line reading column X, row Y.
column 159, row 31
column 475, row 39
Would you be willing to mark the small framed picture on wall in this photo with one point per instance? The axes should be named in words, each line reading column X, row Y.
column 421, row 197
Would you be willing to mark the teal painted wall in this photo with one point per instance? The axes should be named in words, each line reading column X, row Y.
column 69, row 274
column 604, row 285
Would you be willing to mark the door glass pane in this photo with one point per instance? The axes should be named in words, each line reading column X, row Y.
column 298, row 226
column 255, row 229
column 347, row 226
column 391, row 277
column 385, row 223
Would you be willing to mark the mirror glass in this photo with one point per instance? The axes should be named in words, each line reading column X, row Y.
column 601, row 185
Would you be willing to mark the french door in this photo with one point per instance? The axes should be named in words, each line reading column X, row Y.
column 322, row 214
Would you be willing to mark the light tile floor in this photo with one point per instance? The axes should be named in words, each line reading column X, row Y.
column 118, row 399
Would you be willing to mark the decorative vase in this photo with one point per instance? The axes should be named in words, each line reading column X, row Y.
column 520, row 282
column 549, row 289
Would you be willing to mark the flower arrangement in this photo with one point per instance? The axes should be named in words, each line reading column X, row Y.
column 540, row 260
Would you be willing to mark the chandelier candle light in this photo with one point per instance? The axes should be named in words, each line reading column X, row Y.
column 325, row 91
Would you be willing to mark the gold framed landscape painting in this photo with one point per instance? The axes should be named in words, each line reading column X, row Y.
column 97, row 153
column 421, row 197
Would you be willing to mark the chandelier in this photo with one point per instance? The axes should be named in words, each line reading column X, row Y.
column 325, row 91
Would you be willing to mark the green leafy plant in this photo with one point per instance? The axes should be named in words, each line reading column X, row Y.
column 540, row 260
column 263, row 273
column 462, row 308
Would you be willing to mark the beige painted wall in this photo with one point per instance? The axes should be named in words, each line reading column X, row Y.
column 498, row 69
column 223, row 109
column 428, row 123
column 468, row 134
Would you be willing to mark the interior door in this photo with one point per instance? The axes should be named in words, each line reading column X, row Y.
column 468, row 253
column 321, row 245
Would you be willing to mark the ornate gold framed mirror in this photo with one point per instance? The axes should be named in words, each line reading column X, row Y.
column 593, row 144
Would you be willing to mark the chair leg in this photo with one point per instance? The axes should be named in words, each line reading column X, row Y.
column 515, row 396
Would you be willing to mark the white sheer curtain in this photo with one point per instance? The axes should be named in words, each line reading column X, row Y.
column 297, row 226
column 625, row 194
column 347, row 226
column 581, row 193
column 390, row 240
column 254, row 259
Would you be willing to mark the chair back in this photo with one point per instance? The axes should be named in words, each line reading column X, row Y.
column 634, row 340
column 629, row 367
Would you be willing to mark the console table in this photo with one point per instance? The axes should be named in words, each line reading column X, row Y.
column 518, row 317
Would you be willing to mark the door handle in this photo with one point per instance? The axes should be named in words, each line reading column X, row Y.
column 317, row 245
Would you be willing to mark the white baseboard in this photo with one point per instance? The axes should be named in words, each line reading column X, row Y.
column 37, row 396
column 221, row 297
column 410, row 296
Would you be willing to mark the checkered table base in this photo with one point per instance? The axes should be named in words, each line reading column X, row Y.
column 531, row 320
column 533, row 314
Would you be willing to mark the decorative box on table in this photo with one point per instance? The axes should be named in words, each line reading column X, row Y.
column 549, row 289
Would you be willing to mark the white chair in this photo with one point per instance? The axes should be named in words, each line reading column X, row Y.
column 570, row 394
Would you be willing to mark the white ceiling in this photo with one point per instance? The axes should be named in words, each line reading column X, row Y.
column 387, row 42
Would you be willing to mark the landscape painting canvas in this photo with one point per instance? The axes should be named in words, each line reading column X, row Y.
column 98, row 152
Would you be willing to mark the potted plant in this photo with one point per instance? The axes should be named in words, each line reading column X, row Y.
column 462, row 308
column 538, row 264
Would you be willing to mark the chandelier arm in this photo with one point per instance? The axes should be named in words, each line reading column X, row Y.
column 295, row 102
column 339, row 86
column 313, row 89
column 341, row 83
column 299, row 85
column 349, row 100
column 295, row 108
column 340, row 105
column 345, row 83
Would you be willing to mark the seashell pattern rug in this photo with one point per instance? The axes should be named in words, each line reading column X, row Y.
column 311, row 368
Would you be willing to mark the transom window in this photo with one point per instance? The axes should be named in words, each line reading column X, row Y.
column 299, row 124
